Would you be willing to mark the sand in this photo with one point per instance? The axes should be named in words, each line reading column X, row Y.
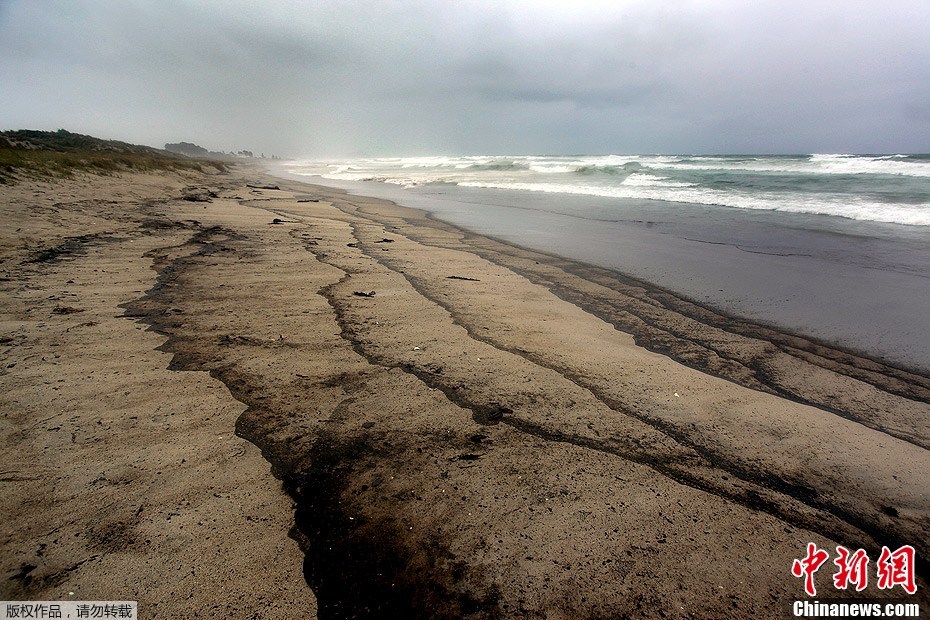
column 455, row 426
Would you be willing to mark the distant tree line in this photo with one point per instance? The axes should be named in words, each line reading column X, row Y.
column 192, row 150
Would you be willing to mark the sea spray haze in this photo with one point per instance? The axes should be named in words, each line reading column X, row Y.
column 879, row 188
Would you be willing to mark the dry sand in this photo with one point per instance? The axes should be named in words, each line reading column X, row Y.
column 465, row 428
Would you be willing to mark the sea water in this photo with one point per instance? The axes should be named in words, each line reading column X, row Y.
column 880, row 188
column 834, row 246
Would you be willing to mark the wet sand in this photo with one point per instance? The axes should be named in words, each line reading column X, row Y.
column 465, row 428
column 864, row 286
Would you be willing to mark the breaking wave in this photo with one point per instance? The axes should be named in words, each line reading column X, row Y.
column 882, row 188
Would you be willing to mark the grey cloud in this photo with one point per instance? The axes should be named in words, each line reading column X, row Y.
column 329, row 77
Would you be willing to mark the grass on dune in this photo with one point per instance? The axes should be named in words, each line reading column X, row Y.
column 15, row 163
column 34, row 153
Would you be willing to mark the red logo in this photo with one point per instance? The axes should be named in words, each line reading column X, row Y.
column 897, row 569
column 853, row 569
column 808, row 566
column 894, row 568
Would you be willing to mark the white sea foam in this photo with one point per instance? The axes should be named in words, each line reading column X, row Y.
column 835, row 164
column 649, row 180
column 886, row 188
column 839, row 206
column 816, row 164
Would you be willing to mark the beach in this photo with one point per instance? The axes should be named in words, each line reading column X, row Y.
column 835, row 247
column 236, row 395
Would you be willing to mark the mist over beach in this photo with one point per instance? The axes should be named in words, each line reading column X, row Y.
column 379, row 309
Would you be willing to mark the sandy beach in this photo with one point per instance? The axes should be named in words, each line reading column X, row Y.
column 231, row 395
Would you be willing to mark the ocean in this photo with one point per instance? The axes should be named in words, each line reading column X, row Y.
column 833, row 246
column 880, row 188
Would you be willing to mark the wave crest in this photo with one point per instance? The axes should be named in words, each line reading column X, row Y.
column 882, row 188
column 613, row 170
column 502, row 165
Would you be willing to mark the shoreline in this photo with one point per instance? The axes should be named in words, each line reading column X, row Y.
column 672, row 343
column 727, row 316
column 469, row 427
column 823, row 281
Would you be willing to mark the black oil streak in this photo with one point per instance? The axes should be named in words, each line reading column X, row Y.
column 849, row 526
column 356, row 569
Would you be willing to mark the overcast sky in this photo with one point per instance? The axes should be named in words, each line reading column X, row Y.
column 324, row 78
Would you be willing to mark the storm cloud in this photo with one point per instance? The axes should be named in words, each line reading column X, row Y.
column 325, row 77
